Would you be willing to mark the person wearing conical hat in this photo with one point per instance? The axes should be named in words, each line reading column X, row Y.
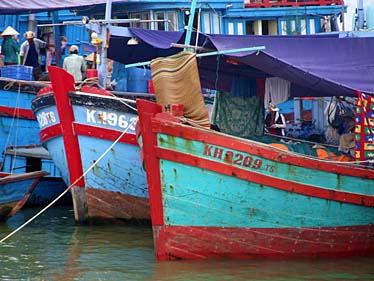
column 9, row 47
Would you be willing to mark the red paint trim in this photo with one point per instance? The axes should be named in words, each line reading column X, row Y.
column 290, row 186
column 17, row 112
column 256, row 148
column 103, row 133
column 183, row 242
column 62, row 83
column 90, row 131
column 50, row 132
column 149, row 139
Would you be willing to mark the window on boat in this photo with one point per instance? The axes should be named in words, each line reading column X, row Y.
column 211, row 22
column 172, row 21
column 33, row 164
column 166, row 20
column 143, row 17
column 160, row 17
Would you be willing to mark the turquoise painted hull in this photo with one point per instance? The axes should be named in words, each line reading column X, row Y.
column 216, row 195
column 224, row 201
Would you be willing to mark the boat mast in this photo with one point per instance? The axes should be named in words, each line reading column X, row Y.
column 187, row 41
column 105, row 29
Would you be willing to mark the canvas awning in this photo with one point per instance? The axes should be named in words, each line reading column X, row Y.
column 316, row 65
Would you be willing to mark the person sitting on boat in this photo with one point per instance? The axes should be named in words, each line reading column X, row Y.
column 75, row 64
column 30, row 53
column 275, row 122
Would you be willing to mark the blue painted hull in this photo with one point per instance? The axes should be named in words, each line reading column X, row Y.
column 115, row 185
column 48, row 189
column 22, row 159
column 19, row 134
column 17, row 124
column 15, row 190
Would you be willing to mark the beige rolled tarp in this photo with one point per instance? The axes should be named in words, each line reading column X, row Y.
column 176, row 81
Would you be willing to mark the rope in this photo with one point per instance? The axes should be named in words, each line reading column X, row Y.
column 94, row 81
column 17, row 125
column 68, row 188
column 15, row 112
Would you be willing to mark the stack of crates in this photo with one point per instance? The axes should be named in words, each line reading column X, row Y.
column 18, row 72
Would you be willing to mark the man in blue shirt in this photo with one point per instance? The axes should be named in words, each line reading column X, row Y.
column 30, row 53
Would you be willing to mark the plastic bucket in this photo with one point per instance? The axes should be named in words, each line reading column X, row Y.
column 151, row 89
column 137, row 79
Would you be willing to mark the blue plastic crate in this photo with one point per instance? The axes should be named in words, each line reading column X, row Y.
column 18, row 72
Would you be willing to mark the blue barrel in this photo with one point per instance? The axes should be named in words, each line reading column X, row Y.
column 119, row 74
column 137, row 79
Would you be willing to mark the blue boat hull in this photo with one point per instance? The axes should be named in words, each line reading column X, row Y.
column 107, row 181
column 15, row 190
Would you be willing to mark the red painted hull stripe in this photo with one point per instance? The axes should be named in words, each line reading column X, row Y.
column 226, row 169
column 50, row 132
column 90, row 131
column 260, row 150
column 105, row 134
column 186, row 242
column 17, row 112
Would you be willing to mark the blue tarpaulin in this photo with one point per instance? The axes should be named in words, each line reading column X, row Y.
column 315, row 65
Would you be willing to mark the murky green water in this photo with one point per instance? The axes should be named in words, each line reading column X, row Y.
column 53, row 247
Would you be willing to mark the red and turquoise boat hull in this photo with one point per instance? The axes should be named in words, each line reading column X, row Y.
column 214, row 195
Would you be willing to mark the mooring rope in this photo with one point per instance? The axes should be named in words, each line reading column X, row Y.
column 71, row 185
column 14, row 117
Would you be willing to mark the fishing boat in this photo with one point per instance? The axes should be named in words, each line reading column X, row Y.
column 90, row 135
column 30, row 158
column 18, row 124
column 238, row 195
column 15, row 190
column 19, row 140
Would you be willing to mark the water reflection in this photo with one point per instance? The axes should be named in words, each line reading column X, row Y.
column 53, row 247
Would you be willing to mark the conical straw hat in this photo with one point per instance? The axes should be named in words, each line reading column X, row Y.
column 90, row 57
column 9, row 31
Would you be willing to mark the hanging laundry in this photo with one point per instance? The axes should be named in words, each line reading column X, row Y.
column 277, row 90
